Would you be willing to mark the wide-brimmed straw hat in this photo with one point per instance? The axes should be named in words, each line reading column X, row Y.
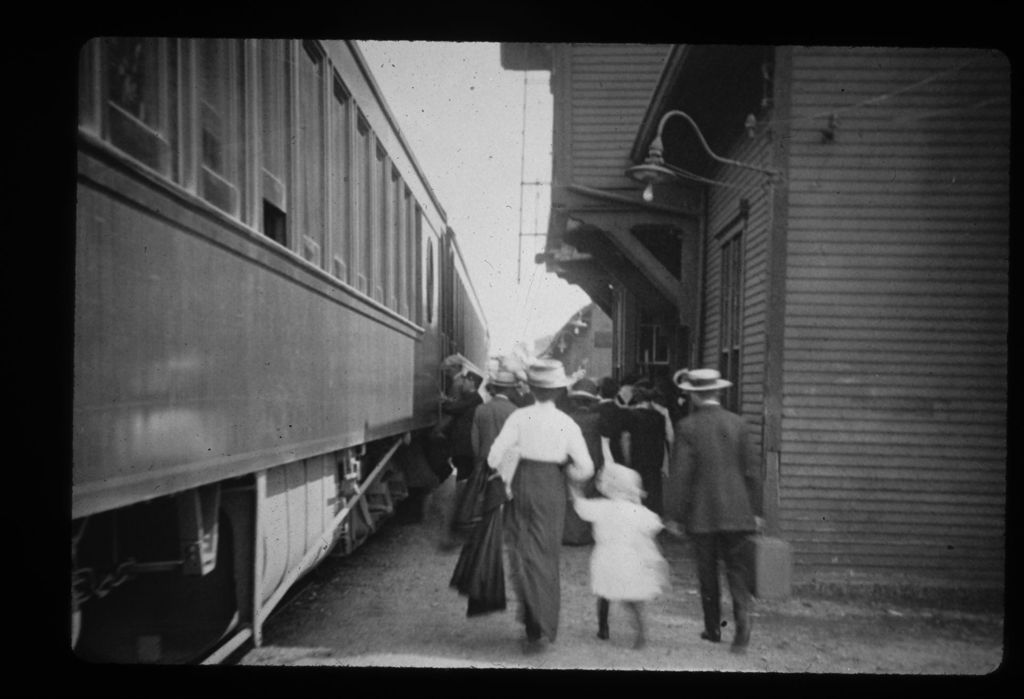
column 584, row 388
column 619, row 482
column 546, row 373
column 703, row 380
column 461, row 365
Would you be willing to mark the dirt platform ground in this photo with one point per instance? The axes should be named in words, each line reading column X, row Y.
column 389, row 604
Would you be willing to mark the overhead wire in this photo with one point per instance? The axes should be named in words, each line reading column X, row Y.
column 877, row 98
column 524, row 309
column 522, row 182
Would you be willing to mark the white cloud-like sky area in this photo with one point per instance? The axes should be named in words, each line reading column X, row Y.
column 463, row 117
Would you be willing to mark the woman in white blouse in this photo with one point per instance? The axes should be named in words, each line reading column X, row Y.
column 537, row 448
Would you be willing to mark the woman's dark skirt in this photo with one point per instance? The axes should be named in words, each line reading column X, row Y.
column 534, row 521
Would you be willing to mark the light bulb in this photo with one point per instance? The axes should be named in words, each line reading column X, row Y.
column 649, row 192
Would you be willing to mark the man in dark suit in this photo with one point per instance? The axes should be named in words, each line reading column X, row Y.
column 718, row 476
column 614, row 423
column 489, row 418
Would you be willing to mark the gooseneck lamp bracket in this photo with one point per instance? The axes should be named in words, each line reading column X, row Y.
column 654, row 170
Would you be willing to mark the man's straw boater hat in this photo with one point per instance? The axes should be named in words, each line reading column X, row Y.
column 701, row 380
column 546, row 373
column 502, row 378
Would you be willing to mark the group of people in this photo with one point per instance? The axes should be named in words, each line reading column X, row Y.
column 613, row 465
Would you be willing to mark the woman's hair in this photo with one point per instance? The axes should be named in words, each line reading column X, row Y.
column 607, row 387
column 543, row 395
column 644, row 391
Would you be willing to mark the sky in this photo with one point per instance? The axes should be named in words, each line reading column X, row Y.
column 464, row 119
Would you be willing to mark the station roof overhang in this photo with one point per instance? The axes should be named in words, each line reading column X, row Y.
column 717, row 85
column 525, row 56
column 591, row 244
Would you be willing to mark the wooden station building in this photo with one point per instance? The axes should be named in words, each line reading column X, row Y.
column 828, row 227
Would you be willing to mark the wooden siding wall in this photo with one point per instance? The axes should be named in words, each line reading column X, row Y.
column 610, row 88
column 723, row 207
column 895, row 357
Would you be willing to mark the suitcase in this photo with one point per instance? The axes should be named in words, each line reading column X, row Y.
column 769, row 564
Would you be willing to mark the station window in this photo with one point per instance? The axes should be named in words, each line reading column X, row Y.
column 220, row 135
column 653, row 340
column 730, row 335
column 274, row 80
column 342, row 244
column 138, row 89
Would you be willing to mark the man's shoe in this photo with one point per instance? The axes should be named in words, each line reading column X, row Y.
column 713, row 637
column 742, row 639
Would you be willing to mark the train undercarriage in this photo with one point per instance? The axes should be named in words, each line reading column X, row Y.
column 191, row 577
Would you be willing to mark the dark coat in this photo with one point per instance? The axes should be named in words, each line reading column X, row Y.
column 488, row 419
column 717, row 471
column 461, row 410
column 577, row 532
column 647, row 452
column 615, row 420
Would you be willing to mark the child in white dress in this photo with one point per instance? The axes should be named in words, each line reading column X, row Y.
column 625, row 564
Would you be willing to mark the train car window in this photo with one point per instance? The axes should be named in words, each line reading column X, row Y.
column 395, row 257
column 406, row 244
column 363, row 173
column 430, row 282
column 274, row 80
column 385, row 215
column 458, row 309
column 340, row 166
column 275, row 223
column 311, row 149
column 139, row 99
column 379, row 215
column 220, row 145
column 447, row 309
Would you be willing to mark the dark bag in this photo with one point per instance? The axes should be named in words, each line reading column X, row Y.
column 469, row 510
column 438, row 454
column 480, row 571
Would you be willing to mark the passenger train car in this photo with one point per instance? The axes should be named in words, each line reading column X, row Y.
column 265, row 287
